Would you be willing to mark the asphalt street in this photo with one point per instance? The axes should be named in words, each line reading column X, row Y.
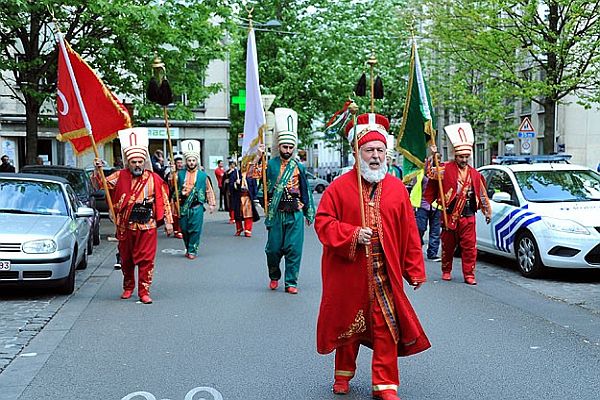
column 216, row 332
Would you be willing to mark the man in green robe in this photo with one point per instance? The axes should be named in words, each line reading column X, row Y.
column 195, row 191
column 290, row 203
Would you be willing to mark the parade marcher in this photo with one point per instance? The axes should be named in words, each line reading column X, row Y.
column 179, row 165
column 6, row 166
column 428, row 216
column 227, row 187
column 219, row 172
column 244, row 191
column 195, row 191
column 363, row 266
column 393, row 169
column 290, row 202
column 141, row 201
column 464, row 192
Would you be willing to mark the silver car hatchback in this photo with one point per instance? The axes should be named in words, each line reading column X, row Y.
column 44, row 230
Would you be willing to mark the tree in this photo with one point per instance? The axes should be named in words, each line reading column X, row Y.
column 313, row 62
column 116, row 37
column 540, row 51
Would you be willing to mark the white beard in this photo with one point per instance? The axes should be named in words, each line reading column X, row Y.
column 372, row 176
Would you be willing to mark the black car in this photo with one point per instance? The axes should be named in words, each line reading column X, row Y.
column 83, row 188
column 101, row 204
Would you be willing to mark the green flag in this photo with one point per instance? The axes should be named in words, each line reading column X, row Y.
column 417, row 128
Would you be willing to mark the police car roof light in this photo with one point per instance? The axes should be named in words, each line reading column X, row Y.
column 533, row 159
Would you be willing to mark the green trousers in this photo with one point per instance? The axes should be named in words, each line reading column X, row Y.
column 286, row 238
column 191, row 228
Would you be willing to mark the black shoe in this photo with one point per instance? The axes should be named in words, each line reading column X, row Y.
column 435, row 259
column 117, row 266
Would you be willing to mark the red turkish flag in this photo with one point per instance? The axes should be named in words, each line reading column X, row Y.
column 85, row 104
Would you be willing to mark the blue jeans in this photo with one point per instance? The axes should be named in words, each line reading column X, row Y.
column 431, row 218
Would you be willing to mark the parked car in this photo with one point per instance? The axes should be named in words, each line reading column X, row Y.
column 81, row 184
column 316, row 184
column 44, row 232
column 543, row 215
column 342, row 171
column 99, row 195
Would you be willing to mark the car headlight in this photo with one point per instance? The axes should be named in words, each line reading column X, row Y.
column 565, row 225
column 45, row 246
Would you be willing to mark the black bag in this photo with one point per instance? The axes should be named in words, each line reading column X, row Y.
column 141, row 212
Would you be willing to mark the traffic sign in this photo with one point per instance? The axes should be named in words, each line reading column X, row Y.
column 526, row 134
column 526, row 146
column 526, row 129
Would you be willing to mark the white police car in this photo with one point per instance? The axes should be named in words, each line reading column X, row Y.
column 545, row 214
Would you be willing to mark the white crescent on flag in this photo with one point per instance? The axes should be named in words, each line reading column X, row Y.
column 65, row 103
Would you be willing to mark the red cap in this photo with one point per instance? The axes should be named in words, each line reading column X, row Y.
column 369, row 127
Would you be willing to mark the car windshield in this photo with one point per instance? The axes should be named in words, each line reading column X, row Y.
column 559, row 185
column 30, row 197
column 76, row 180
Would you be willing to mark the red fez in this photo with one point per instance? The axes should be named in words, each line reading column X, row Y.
column 369, row 127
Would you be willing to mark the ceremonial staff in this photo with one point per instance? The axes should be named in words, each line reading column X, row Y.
column 159, row 91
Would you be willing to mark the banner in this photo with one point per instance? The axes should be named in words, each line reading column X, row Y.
column 418, row 122
column 85, row 106
column 254, row 118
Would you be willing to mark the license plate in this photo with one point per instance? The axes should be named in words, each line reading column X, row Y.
column 4, row 265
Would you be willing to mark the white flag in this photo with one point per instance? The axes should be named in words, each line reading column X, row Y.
column 254, row 118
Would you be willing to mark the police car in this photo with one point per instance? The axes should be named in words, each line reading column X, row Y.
column 545, row 213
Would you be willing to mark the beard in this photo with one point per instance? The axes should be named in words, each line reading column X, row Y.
column 136, row 171
column 372, row 176
column 286, row 156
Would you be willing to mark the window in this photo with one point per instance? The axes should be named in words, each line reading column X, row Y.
column 499, row 181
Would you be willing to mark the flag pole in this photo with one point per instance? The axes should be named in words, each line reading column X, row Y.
column 157, row 66
column 261, row 137
column 86, row 120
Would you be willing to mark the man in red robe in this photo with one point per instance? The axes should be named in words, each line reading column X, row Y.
column 363, row 266
column 464, row 193
column 141, row 199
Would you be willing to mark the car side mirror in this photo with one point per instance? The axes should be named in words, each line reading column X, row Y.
column 502, row 197
column 84, row 212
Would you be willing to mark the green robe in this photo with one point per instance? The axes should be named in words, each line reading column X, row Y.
column 192, row 211
column 286, row 230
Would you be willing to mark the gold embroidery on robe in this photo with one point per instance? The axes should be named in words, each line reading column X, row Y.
column 358, row 326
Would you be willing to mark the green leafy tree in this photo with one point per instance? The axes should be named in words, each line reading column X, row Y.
column 540, row 51
column 116, row 37
column 313, row 61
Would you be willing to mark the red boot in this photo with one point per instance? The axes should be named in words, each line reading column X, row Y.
column 341, row 386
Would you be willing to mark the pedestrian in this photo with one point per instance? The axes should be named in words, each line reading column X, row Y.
column 464, row 192
column 195, row 190
column 158, row 164
column 244, row 191
column 393, row 169
column 227, row 187
column 328, row 174
column 428, row 215
column 39, row 160
column 141, row 202
column 6, row 166
column 290, row 202
column 178, row 167
column 363, row 299
column 219, row 172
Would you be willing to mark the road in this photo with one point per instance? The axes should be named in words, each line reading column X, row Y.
column 215, row 325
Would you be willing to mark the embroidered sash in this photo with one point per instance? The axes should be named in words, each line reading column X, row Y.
column 281, row 183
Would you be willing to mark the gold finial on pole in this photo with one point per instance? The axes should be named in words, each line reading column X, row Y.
column 372, row 61
column 249, row 11
column 158, row 67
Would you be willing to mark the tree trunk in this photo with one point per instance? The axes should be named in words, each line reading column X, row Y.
column 32, row 110
column 549, row 128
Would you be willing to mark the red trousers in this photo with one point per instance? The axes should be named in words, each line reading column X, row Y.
column 465, row 235
column 384, row 365
column 176, row 226
column 247, row 225
column 138, row 248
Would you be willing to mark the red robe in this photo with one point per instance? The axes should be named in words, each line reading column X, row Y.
column 344, row 316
